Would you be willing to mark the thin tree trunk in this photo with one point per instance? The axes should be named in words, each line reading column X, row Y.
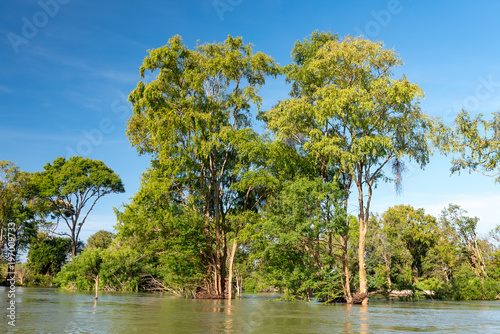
column 218, row 255
column 4, row 220
column 345, row 257
column 73, row 246
column 230, row 279
column 239, row 283
column 362, row 238
column 345, row 268
column 363, row 286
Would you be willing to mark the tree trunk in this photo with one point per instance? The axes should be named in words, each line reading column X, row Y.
column 345, row 268
column 73, row 245
column 362, row 219
column 363, row 286
column 230, row 279
column 364, row 216
column 344, row 239
column 4, row 220
column 218, row 256
column 414, row 271
column 388, row 276
column 239, row 283
column 12, row 259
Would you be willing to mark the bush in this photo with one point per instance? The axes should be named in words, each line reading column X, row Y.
column 467, row 286
column 436, row 288
column 39, row 280
column 120, row 270
column 82, row 272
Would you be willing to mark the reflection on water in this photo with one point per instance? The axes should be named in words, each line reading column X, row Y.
column 42, row 310
column 363, row 309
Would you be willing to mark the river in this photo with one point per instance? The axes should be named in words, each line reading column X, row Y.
column 46, row 310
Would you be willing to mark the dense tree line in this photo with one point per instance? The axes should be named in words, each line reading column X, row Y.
column 223, row 208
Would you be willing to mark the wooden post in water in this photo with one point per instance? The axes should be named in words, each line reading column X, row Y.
column 96, row 287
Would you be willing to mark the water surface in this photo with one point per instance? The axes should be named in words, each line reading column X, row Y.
column 46, row 310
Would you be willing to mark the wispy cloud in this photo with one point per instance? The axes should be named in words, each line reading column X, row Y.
column 5, row 89
column 118, row 76
column 59, row 59
column 6, row 134
column 83, row 69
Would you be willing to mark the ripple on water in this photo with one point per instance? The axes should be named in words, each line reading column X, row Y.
column 40, row 310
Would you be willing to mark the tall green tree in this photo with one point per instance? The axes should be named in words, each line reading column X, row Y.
column 346, row 107
column 73, row 187
column 474, row 142
column 193, row 120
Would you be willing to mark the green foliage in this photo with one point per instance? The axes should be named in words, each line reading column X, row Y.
column 465, row 237
column 475, row 141
column 81, row 273
column 175, row 243
column 21, row 211
column 121, row 269
column 63, row 178
column 467, row 286
column 100, row 239
column 47, row 255
column 454, row 263
column 40, row 280
column 415, row 229
column 292, row 240
column 431, row 288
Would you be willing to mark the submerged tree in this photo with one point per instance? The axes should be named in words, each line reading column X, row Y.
column 73, row 187
column 347, row 109
column 193, row 120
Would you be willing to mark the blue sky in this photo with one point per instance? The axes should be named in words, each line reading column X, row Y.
column 68, row 66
